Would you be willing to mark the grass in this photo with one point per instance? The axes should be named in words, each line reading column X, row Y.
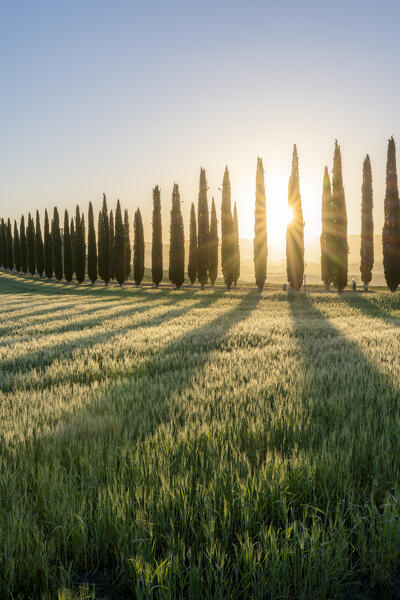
column 188, row 444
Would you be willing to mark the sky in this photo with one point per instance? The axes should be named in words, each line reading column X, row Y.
column 118, row 96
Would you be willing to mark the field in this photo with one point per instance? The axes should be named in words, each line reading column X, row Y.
column 189, row 444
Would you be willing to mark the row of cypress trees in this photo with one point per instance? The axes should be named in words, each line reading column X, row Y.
column 109, row 254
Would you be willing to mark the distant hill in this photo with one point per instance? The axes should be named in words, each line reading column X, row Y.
column 276, row 270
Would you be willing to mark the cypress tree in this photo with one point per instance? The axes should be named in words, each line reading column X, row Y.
column 103, row 247
column 236, row 247
column 127, row 245
column 48, row 248
column 260, row 228
column 138, row 249
column 1, row 252
column 68, row 273
column 100, row 244
column 213, row 244
column 57, row 245
column 227, row 232
column 92, row 247
column 203, row 231
column 39, row 252
column 112, row 245
column 192, row 265
column 17, row 253
column 367, row 224
column 10, row 253
column 295, row 229
column 177, row 241
column 327, row 232
column 341, row 249
column 73, row 246
column 156, row 245
column 80, row 246
column 391, row 227
column 4, row 244
column 119, row 247
column 30, row 245
column 22, row 246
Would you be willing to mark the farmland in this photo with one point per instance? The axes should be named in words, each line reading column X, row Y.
column 198, row 444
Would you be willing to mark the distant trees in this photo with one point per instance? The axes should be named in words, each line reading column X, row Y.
column 10, row 249
column 138, row 249
column 30, row 245
column 213, row 244
column 391, row 227
column 260, row 247
column 92, row 247
column 127, row 238
column 57, row 245
column 39, row 247
column 156, row 245
column 111, row 237
column 3, row 232
column 17, row 254
column 367, row 224
column 177, row 241
column 295, row 229
column 341, row 249
column 203, row 231
column 104, row 243
column 227, row 232
column 48, row 248
column 73, row 245
column 68, row 262
column 236, row 247
column 327, row 232
column 80, row 246
column 192, row 264
column 119, row 246
column 22, row 246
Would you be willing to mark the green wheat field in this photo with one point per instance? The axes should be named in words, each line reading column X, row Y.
column 157, row 443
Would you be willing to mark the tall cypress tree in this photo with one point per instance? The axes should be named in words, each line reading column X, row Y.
column 57, row 245
column 203, row 231
column 177, row 241
column 1, row 250
column 80, row 245
column 39, row 252
column 68, row 273
column 295, row 229
column 112, row 245
column 391, row 227
column 341, row 249
column 73, row 245
column 128, row 255
column 213, row 244
column 10, row 252
column 4, row 260
column 236, row 247
column 260, row 228
column 327, row 232
column 138, row 249
column 104, row 243
column 227, row 232
column 22, row 246
column 92, row 247
column 119, row 246
column 17, row 253
column 192, row 265
column 30, row 245
column 367, row 224
column 156, row 244
column 48, row 248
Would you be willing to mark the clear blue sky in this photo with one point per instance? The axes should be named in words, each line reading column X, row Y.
column 118, row 96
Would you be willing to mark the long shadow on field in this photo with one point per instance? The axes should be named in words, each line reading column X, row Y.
column 372, row 307
column 343, row 394
column 46, row 356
